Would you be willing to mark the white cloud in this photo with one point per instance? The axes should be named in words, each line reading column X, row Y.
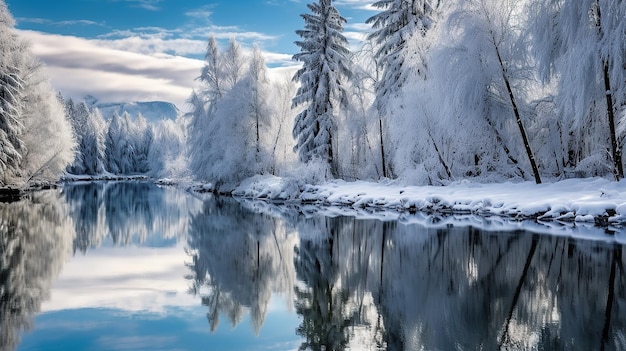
column 128, row 279
column 58, row 23
column 150, row 5
column 78, row 67
column 127, row 69
column 357, row 4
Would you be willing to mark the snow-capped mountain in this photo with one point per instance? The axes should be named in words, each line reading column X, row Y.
column 153, row 111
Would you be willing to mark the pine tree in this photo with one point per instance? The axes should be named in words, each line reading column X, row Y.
column 11, row 93
column 36, row 142
column 394, row 27
column 324, row 55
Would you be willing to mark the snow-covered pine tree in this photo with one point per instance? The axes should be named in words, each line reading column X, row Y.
column 120, row 148
column 324, row 54
column 398, row 22
column 36, row 141
column 143, row 137
column 580, row 44
column 94, row 143
column 11, row 91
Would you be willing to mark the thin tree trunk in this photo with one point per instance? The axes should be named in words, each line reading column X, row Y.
column 506, row 149
column 382, row 148
column 441, row 160
column 618, row 169
column 518, row 118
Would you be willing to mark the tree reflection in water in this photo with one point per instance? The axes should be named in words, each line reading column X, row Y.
column 385, row 285
column 239, row 258
column 35, row 240
column 126, row 212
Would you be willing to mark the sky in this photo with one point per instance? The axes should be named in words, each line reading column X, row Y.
column 151, row 50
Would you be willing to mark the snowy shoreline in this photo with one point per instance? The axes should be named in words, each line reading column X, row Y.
column 595, row 201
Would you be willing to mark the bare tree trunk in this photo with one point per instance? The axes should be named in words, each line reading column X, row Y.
column 618, row 169
column 382, row 148
column 518, row 118
column 440, row 156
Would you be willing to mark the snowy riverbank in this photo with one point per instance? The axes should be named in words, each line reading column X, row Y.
column 593, row 200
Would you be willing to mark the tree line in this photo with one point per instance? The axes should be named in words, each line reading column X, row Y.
column 441, row 90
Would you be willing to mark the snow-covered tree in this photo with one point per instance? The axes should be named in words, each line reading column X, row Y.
column 397, row 24
column 167, row 154
column 229, row 133
column 483, row 75
column 233, row 63
column 11, row 92
column 260, row 112
column 202, row 103
column 212, row 78
column 35, row 136
column 119, row 146
column 324, row 54
column 580, row 45
column 143, row 138
column 89, row 128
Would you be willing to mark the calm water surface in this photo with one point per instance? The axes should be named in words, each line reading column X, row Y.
column 131, row 266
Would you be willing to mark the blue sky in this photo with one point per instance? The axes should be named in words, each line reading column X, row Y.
column 122, row 50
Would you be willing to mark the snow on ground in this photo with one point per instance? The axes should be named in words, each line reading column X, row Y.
column 591, row 200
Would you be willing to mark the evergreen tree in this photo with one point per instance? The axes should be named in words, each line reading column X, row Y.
column 143, row 138
column 36, row 142
column 11, row 93
column 120, row 151
column 395, row 26
column 324, row 54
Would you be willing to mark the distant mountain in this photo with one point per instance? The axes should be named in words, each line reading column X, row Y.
column 153, row 111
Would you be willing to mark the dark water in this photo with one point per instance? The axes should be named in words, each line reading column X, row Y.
column 131, row 266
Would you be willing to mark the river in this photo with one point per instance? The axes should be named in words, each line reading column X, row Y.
column 135, row 266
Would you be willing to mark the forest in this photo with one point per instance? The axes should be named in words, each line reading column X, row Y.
column 441, row 91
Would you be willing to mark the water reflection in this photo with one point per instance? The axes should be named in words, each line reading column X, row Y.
column 35, row 240
column 126, row 212
column 354, row 283
column 384, row 285
column 457, row 288
column 239, row 258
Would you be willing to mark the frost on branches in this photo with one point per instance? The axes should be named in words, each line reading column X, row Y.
column 36, row 140
column 326, row 66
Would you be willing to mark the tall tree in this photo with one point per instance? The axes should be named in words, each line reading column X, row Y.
column 580, row 44
column 36, row 140
column 259, row 104
column 485, row 73
column 324, row 54
column 89, row 128
column 11, row 91
column 234, row 63
column 394, row 26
